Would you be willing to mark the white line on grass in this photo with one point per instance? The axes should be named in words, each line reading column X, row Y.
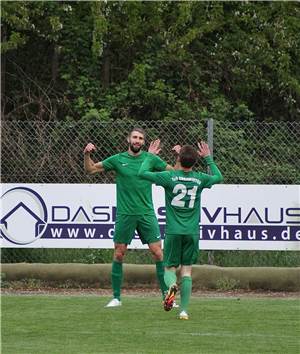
column 222, row 334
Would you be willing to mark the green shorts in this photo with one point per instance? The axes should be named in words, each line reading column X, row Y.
column 180, row 249
column 145, row 225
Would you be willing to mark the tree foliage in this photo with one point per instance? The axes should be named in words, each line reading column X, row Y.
column 150, row 60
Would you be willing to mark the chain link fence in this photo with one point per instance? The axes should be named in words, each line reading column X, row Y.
column 52, row 152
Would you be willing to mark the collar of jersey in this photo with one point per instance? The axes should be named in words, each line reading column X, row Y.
column 134, row 157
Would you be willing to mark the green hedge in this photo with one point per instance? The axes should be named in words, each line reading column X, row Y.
column 94, row 256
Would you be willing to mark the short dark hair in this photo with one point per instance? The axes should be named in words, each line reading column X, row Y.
column 137, row 129
column 188, row 156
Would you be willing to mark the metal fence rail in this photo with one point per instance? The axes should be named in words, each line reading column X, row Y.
column 52, row 152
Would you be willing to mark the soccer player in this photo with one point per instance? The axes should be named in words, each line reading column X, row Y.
column 134, row 204
column 183, row 188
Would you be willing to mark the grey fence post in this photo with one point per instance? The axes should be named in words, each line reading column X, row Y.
column 210, row 141
column 210, row 135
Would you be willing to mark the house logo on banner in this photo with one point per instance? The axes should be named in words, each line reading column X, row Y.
column 30, row 211
column 56, row 216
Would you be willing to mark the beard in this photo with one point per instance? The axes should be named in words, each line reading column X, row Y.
column 135, row 148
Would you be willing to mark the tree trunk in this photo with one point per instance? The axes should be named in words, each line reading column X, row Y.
column 54, row 75
column 106, row 68
column 55, row 61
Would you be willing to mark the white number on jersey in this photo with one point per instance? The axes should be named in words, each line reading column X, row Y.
column 183, row 191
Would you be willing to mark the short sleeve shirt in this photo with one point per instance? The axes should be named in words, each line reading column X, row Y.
column 134, row 194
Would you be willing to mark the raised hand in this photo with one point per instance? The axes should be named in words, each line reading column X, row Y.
column 154, row 147
column 176, row 149
column 89, row 148
column 203, row 149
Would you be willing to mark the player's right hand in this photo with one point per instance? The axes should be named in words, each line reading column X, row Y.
column 176, row 149
column 89, row 148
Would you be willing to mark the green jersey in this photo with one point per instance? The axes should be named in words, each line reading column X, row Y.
column 183, row 194
column 134, row 194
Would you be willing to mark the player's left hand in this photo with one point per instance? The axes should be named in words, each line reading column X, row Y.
column 154, row 147
column 203, row 149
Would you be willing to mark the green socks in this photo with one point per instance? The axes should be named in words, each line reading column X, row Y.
column 165, row 280
column 160, row 277
column 170, row 278
column 185, row 292
column 117, row 278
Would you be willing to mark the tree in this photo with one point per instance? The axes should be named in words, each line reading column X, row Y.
column 151, row 60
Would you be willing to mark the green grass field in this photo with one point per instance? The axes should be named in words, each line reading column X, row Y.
column 56, row 324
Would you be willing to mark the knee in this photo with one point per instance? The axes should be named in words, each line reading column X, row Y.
column 186, row 271
column 157, row 254
column 119, row 255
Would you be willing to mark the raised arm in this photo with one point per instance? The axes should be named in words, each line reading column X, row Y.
column 204, row 152
column 154, row 148
column 90, row 166
column 145, row 173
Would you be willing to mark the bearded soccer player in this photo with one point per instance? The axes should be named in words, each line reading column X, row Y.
column 183, row 188
column 134, row 204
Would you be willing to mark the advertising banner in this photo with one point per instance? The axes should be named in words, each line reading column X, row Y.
column 233, row 217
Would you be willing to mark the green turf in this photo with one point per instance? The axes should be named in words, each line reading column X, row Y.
column 81, row 324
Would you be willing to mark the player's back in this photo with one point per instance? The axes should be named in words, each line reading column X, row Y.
column 183, row 194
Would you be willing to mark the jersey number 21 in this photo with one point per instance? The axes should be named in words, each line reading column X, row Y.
column 183, row 191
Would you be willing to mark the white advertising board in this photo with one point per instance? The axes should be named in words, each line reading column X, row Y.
column 233, row 217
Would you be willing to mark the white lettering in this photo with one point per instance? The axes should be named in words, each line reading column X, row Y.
column 238, row 235
column 89, row 233
column 224, row 234
column 187, row 179
column 264, row 235
column 285, row 235
column 56, row 232
column 211, row 234
column 251, row 235
column 73, row 232
column 111, row 233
